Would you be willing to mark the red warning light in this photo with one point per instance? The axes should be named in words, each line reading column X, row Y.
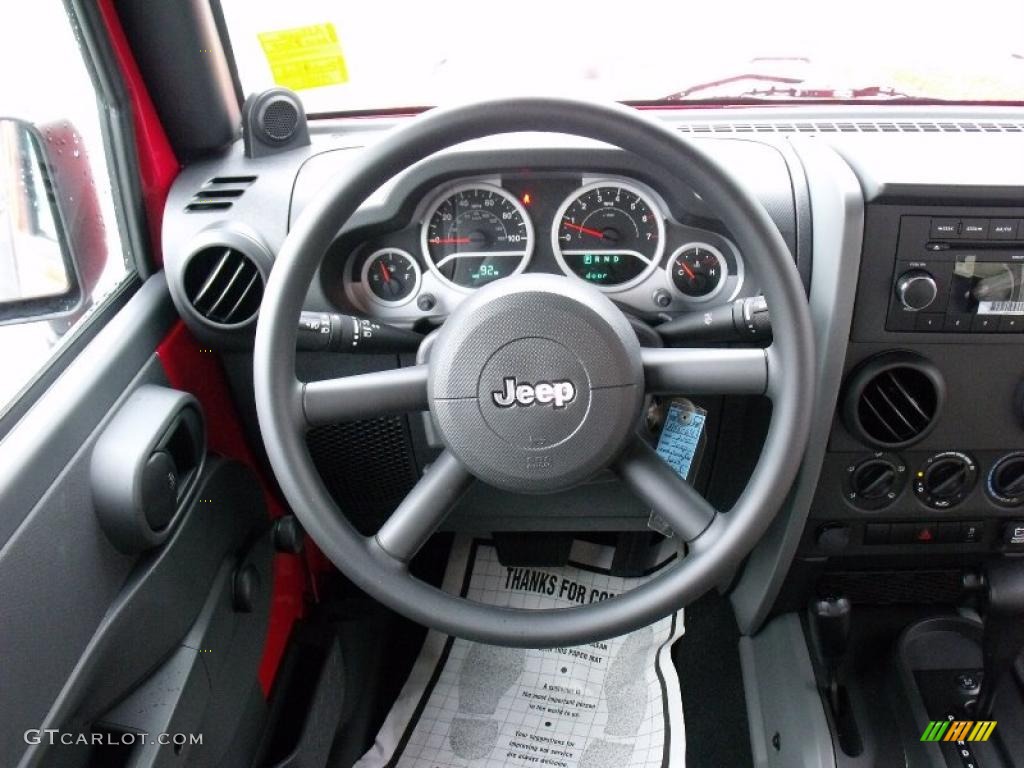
column 527, row 198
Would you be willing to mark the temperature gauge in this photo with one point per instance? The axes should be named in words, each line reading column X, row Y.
column 392, row 276
column 698, row 271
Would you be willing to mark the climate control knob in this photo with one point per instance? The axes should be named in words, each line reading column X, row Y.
column 875, row 482
column 945, row 479
column 1006, row 480
column 916, row 290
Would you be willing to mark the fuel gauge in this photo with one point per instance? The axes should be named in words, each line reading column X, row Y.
column 392, row 276
column 698, row 271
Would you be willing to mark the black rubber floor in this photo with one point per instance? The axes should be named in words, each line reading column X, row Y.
column 708, row 662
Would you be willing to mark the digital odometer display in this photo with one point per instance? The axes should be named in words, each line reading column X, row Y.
column 608, row 234
column 476, row 234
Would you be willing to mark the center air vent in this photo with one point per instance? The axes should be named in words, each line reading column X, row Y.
column 893, row 400
column 223, row 285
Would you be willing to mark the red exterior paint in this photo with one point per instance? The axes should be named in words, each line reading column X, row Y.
column 194, row 369
column 158, row 165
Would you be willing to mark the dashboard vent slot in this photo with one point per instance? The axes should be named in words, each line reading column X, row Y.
column 893, row 400
column 223, row 285
column 218, row 193
column 873, row 126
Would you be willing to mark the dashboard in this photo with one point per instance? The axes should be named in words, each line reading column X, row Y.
column 467, row 217
column 613, row 232
column 906, row 226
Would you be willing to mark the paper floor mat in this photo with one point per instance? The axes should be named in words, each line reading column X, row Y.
column 606, row 705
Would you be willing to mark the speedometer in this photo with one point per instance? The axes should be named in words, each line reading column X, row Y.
column 609, row 234
column 475, row 234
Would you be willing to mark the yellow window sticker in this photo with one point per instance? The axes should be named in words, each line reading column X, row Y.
column 305, row 57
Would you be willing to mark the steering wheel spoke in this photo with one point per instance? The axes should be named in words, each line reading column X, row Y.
column 700, row 371
column 424, row 509
column 365, row 395
column 673, row 499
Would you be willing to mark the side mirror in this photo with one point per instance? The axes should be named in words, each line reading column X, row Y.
column 53, row 246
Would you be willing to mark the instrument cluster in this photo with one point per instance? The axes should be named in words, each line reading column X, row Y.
column 612, row 232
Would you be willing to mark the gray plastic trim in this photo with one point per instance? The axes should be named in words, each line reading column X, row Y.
column 41, row 445
column 142, row 426
column 783, row 699
column 837, row 210
column 705, row 371
column 424, row 509
column 380, row 393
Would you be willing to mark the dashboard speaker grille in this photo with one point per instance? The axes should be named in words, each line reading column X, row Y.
column 280, row 119
column 223, row 285
column 893, row 400
column 367, row 466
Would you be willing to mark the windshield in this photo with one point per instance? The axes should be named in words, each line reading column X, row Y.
column 375, row 55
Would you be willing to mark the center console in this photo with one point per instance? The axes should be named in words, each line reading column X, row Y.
column 926, row 454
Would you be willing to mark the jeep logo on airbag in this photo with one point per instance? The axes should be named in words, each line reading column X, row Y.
column 555, row 393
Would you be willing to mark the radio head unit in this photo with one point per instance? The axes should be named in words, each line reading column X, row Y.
column 958, row 276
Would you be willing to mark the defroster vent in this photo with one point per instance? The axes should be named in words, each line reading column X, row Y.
column 893, row 400
column 219, row 193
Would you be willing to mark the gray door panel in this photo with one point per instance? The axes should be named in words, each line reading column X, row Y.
column 63, row 585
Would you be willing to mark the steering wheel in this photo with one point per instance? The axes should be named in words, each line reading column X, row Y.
column 536, row 382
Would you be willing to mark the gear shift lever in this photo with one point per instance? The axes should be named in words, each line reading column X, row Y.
column 1003, row 636
column 832, row 617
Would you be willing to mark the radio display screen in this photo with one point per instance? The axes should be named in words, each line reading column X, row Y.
column 987, row 288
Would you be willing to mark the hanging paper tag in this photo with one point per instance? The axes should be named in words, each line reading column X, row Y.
column 680, row 441
column 679, row 446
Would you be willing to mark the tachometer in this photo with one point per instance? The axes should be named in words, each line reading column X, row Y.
column 609, row 234
column 475, row 234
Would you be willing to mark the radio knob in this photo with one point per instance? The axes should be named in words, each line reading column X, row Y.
column 916, row 290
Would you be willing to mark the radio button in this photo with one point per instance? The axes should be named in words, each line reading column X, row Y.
column 929, row 321
column 974, row 229
column 945, row 229
column 985, row 324
column 1003, row 229
column 957, row 323
column 1011, row 324
column 900, row 319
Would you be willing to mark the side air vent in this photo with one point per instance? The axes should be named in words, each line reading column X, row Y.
column 223, row 285
column 893, row 400
column 872, row 126
column 218, row 193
